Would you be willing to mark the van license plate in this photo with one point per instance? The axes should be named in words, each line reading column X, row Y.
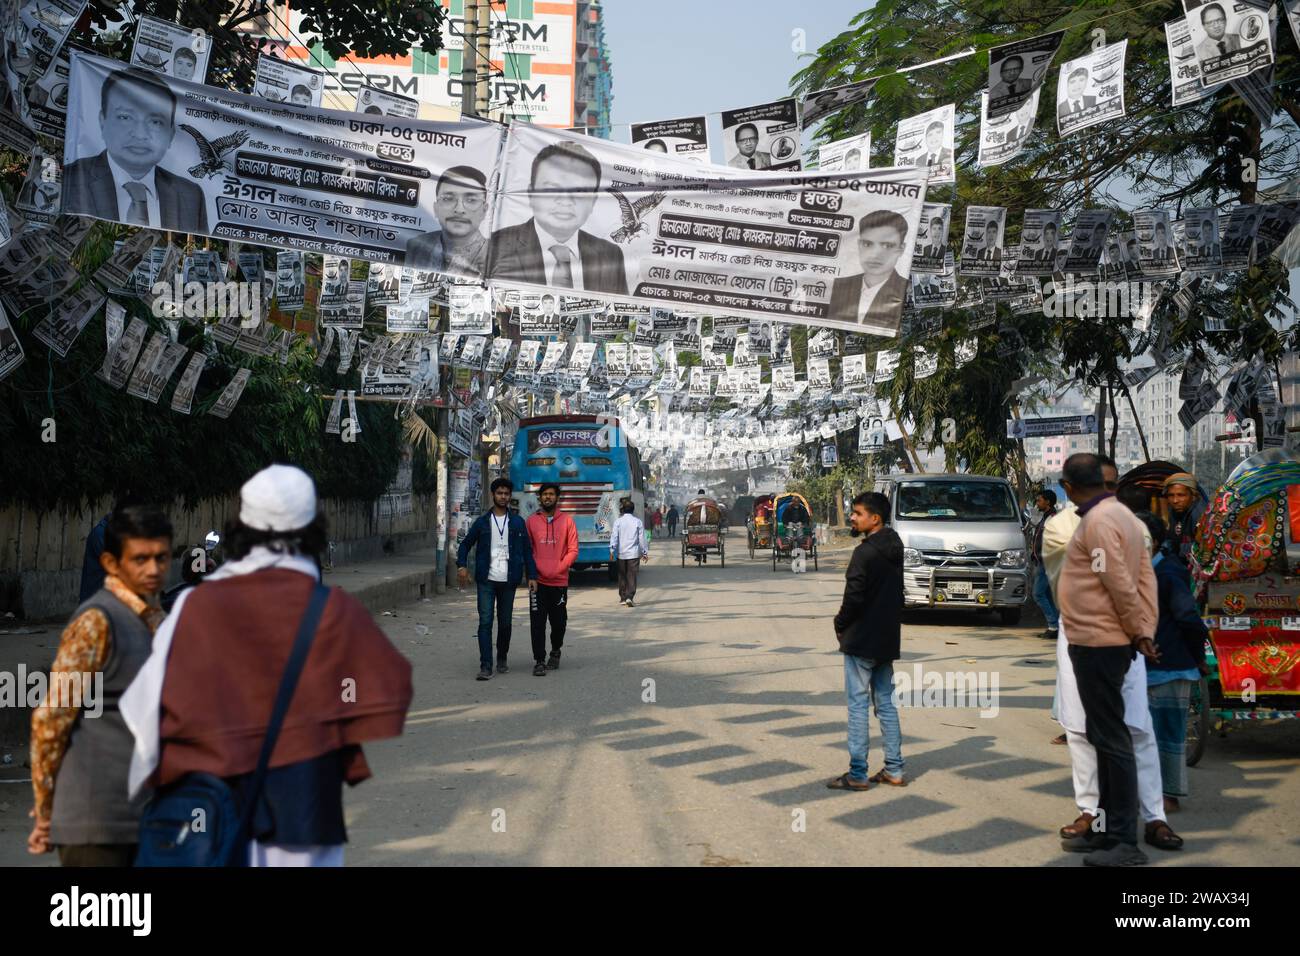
column 959, row 587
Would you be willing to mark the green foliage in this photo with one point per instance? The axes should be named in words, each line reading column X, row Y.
column 1157, row 156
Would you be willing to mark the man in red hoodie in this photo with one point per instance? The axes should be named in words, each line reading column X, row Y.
column 555, row 548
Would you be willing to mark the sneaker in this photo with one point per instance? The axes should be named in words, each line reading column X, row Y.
column 1050, row 634
column 501, row 667
column 629, row 603
column 1121, row 854
column 553, row 662
column 539, row 669
column 484, row 673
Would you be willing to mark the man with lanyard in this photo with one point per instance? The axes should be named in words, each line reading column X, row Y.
column 554, row 540
column 504, row 557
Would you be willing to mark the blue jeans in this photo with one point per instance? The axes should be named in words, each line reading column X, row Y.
column 500, row 595
column 865, row 681
column 1043, row 595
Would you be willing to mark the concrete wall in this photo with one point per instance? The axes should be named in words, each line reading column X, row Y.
column 41, row 553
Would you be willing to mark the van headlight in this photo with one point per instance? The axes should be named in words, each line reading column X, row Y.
column 1011, row 558
column 912, row 558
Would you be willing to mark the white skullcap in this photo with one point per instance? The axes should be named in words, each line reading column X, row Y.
column 278, row 498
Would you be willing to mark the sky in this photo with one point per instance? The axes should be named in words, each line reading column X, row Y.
column 674, row 58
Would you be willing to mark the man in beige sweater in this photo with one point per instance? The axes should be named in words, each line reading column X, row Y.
column 1107, row 593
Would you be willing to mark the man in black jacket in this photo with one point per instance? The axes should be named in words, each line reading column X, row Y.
column 867, row 628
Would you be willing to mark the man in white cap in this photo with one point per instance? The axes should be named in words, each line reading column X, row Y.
column 202, row 701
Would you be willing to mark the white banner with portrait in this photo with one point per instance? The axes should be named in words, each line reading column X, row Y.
column 583, row 214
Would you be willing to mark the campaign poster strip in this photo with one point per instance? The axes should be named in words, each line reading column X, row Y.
column 822, row 103
column 932, row 238
column 1088, row 241
column 1040, row 243
column 1184, row 67
column 1231, row 37
column 1204, row 253
column 236, row 167
column 1017, row 71
column 172, row 49
column 797, row 247
column 685, row 138
column 1090, row 89
column 288, row 81
column 981, row 248
column 851, row 154
column 376, row 102
column 926, row 141
column 1155, row 242
column 1002, row 138
column 762, row 137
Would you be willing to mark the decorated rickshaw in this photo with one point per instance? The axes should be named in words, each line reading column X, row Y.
column 793, row 528
column 1246, row 559
column 760, row 524
column 704, row 531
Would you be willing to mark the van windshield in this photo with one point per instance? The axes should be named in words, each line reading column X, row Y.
column 956, row 501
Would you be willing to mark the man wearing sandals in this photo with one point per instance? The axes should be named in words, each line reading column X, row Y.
column 868, row 630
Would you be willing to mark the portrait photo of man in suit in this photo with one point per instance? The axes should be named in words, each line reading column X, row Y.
column 933, row 241
column 1075, row 101
column 1010, row 83
column 936, row 155
column 747, row 142
column 987, row 249
column 125, row 183
column 1218, row 42
column 874, row 296
column 1160, row 250
column 551, row 248
column 458, row 246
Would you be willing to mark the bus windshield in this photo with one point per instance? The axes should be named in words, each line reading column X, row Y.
column 955, row 501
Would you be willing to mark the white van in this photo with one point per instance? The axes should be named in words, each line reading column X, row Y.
column 964, row 543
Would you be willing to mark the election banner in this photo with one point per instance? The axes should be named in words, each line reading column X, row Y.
column 1003, row 137
column 1088, row 241
column 1184, row 66
column 609, row 323
column 1017, row 71
column 1239, row 236
column 1203, row 252
column 11, row 349
column 62, row 327
column 287, row 81
column 290, row 283
column 1056, row 425
column 820, row 250
column 183, row 397
column 851, row 154
column 936, row 290
column 931, row 245
column 411, row 317
column 926, row 141
column 375, row 102
column 821, row 103
column 235, row 167
column 1090, row 89
column 1231, row 37
column 685, row 138
column 470, row 309
column 383, row 284
column 1040, row 242
column 172, row 49
column 981, row 248
column 1156, row 255
column 762, row 137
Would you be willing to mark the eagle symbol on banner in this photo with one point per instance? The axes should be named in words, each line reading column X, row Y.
column 633, row 214
column 153, row 60
column 211, row 154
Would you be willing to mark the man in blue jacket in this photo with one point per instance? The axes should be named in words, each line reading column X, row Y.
column 505, row 555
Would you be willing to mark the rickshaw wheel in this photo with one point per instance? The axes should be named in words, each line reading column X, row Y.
column 683, row 552
column 814, row 557
column 751, row 546
column 722, row 553
column 1199, row 720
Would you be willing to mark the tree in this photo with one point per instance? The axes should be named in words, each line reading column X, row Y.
column 1157, row 156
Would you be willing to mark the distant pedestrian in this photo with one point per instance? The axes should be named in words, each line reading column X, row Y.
column 1108, row 605
column 627, row 546
column 868, row 628
column 554, row 540
column 202, row 702
column 1045, row 502
column 657, row 520
column 1180, row 640
column 504, row 558
column 671, row 518
column 79, row 767
column 92, row 572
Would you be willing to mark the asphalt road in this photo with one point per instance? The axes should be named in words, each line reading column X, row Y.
column 725, row 763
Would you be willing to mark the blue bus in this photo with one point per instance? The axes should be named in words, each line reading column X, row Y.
column 596, row 467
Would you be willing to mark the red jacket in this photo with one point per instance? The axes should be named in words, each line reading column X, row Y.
column 555, row 547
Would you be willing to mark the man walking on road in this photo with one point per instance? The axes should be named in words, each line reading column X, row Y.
column 554, row 540
column 504, row 558
column 671, row 518
column 1046, row 504
column 627, row 546
column 868, row 628
column 1107, row 593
